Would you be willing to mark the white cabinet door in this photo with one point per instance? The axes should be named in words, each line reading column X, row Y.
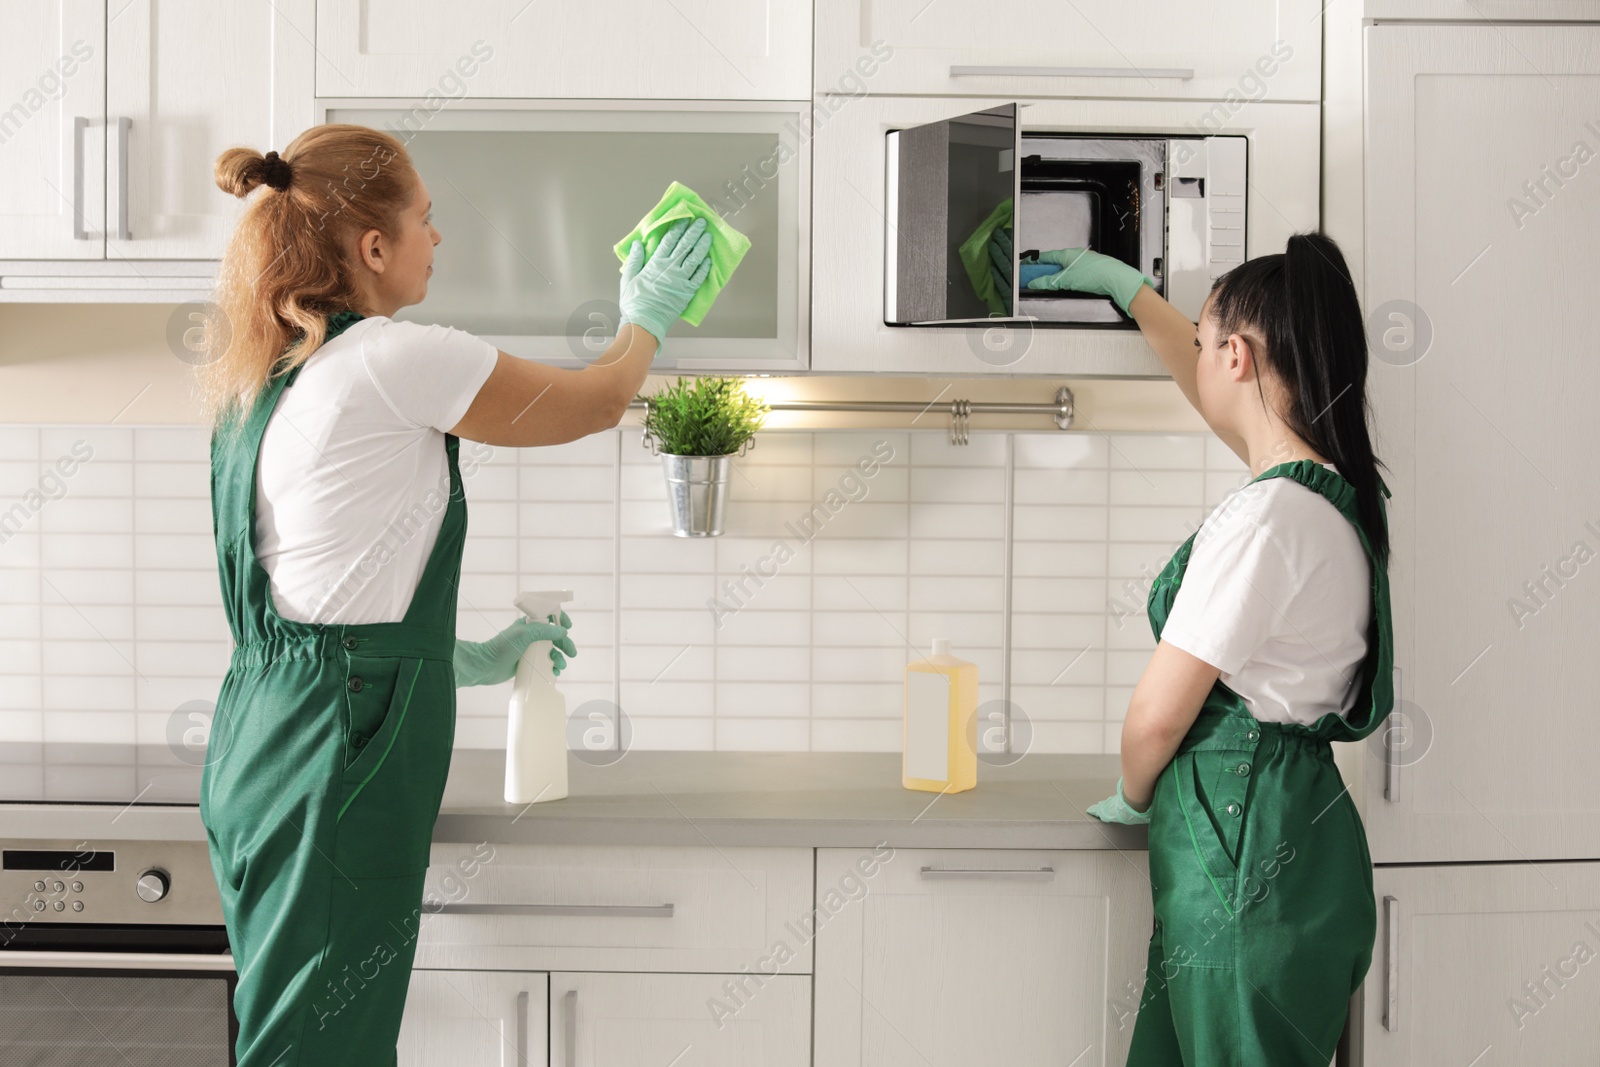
column 52, row 130
column 184, row 80
column 624, row 49
column 1241, row 49
column 953, row 957
column 476, row 1019
column 1482, row 197
column 849, row 225
column 653, row 1020
column 1484, row 965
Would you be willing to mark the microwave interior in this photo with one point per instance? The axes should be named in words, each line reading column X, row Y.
column 974, row 200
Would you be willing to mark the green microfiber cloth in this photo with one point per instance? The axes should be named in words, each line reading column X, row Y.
column 975, row 256
column 728, row 245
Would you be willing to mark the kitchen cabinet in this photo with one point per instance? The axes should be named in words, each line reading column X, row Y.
column 593, row 907
column 710, row 1020
column 1259, row 49
column 52, row 133
column 850, row 228
column 1484, row 965
column 949, row 957
column 476, row 1018
column 632, row 49
column 113, row 169
column 1479, row 278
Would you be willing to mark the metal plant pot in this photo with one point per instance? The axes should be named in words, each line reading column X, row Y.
column 697, row 489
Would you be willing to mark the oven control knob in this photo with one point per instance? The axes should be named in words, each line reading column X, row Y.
column 152, row 885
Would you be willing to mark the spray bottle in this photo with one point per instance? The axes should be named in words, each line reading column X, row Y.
column 536, row 730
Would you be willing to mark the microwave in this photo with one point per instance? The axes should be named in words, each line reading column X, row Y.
column 531, row 195
column 1171, row 206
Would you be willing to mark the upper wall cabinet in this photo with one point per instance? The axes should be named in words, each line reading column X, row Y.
column 1218, row 50
column 108, row 154
column 627, row 49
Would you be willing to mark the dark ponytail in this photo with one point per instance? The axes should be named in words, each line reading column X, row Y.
column 1302, row 305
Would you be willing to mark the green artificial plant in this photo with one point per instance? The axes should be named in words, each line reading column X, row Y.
column 703, row 416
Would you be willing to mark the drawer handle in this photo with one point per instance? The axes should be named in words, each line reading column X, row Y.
column 1391, row 964
column 982, row 872
column 80, row 127
column 570, row 1027
column 121, row 126
column 1179, row 73
column 659, row 911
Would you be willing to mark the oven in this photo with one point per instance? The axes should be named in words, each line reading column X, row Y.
column 112, row 948
column 1171, row 206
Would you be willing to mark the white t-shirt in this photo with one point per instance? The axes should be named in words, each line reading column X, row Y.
column 353, row 480
column 1278, row 597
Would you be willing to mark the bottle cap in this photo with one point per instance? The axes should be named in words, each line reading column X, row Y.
column 941, row 646
column 539, row 605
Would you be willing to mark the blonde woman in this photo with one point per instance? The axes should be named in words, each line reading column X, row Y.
column 339, row 521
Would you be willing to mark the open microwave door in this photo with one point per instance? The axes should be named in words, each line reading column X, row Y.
column 951, row 185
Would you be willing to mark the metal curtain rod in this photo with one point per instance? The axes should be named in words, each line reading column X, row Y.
column 959, row 411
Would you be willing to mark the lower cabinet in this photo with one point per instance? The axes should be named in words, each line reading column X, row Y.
column 1484, row 964
column 954, row 957
column 481, row 1018
column 605, row 1019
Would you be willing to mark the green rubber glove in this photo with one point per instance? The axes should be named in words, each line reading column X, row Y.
column 1000, row 260
column 495, row 660
column 654, row 293
column 1083, row 271
column 1117, row 809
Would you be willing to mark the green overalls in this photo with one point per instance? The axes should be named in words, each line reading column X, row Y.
column 328, row 758
column 1259, row 869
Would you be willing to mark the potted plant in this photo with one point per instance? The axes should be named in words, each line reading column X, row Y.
column 697, row 425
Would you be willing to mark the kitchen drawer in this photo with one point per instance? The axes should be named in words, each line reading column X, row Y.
column 955, row 956
column 622, row 49
column 623, row 908
column 1250, row 49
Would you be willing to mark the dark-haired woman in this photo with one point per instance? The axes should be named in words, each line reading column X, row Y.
column 1273, row 640
column 340, row 519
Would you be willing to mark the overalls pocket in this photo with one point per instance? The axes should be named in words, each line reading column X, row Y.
column 372, row 748
column 370, row 698
column 1202, row 825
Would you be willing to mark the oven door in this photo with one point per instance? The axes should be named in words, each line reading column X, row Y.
column 131, row 996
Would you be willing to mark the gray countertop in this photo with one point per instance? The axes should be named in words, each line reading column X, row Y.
column 806, row 799
column 813, row 799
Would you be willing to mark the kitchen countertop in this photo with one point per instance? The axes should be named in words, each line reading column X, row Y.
column 807, row 799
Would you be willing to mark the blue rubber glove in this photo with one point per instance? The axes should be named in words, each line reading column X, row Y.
column 1083, row 271
column 495, row 660
column 1117, row 809
column 654, row 293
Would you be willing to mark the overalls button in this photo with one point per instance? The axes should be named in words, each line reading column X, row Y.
column 351, row 642
column 354, row 684
column 1234, row 809
column 1242, row 770
column 358, row 741
column 1252, row 735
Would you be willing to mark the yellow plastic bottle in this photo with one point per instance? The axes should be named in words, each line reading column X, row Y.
column 940, row 741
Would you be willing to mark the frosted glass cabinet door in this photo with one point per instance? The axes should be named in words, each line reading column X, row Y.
column 52, row 131
column 530, row 202
column 618, row 49
column 1481, row 273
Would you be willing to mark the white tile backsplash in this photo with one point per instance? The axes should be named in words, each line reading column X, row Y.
column 845, row 554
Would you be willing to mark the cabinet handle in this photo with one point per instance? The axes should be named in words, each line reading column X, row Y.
column 80, row 126
column 569, row 1027
column 522, row 1029
column 984, row 872
column 658, row 911
column 1391, row 752
column 1391, row 964
column 1180, row 73
column 121, row 127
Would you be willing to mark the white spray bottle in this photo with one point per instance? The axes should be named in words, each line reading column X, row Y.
column 536, row 731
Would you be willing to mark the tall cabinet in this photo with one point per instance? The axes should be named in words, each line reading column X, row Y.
column 1483, row 199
